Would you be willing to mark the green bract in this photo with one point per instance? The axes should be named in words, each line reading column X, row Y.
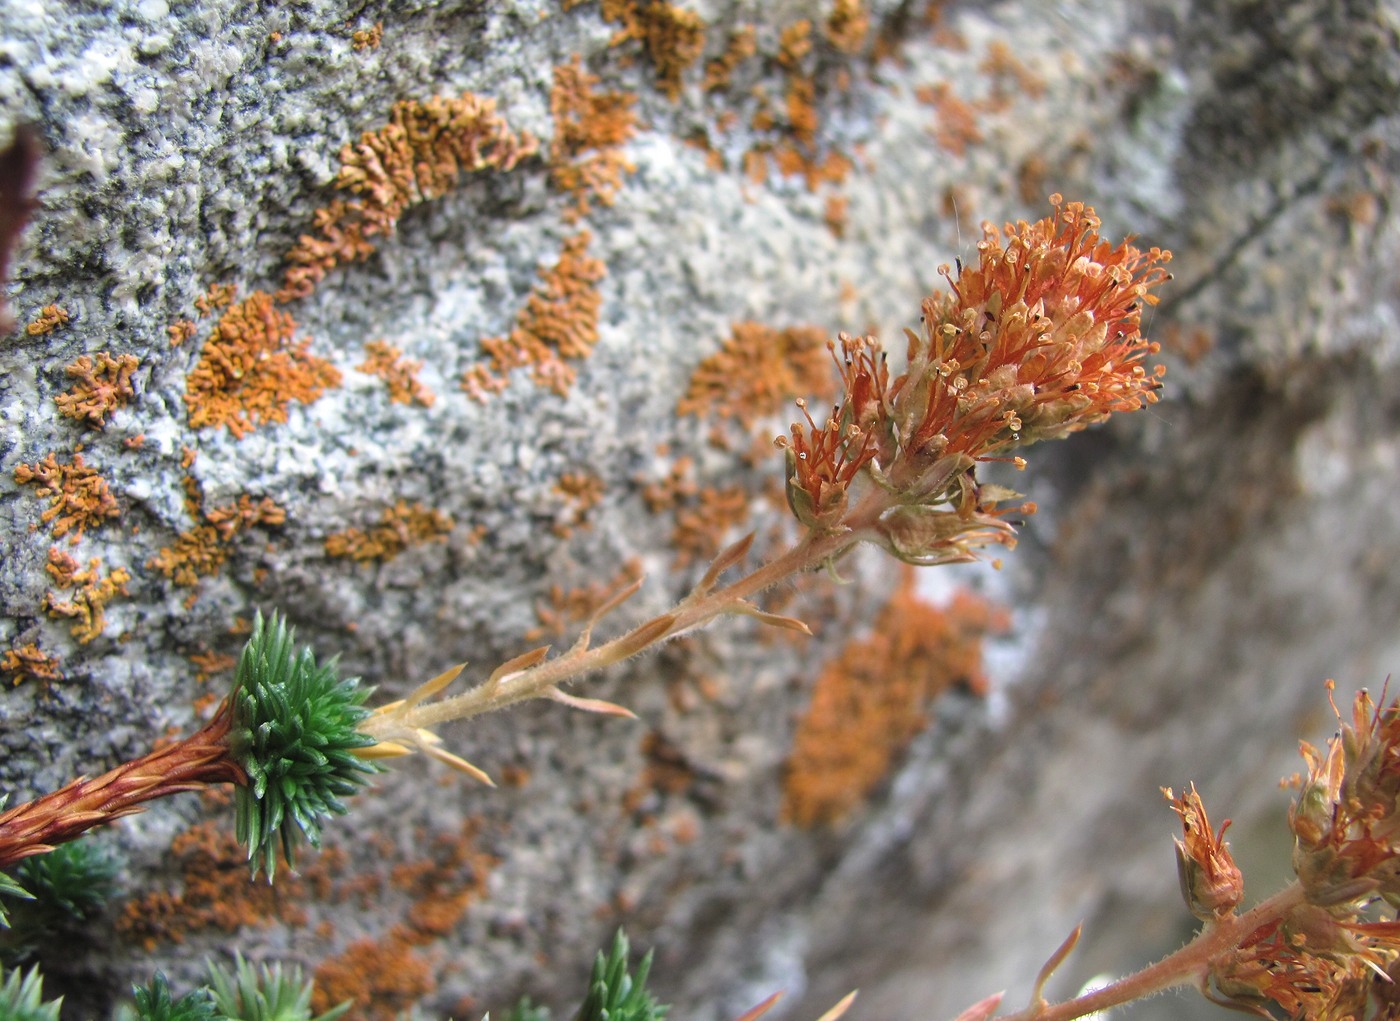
column 294, row 732
column 154, row 1003
column 21, row 998
column 72, row 881
column 264, row 993
column 614, row 995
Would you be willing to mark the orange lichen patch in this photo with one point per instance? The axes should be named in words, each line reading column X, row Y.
column 386, row 975
column 78, row 496
column 103, row 385
column 672, row 38
column 401, row 526
column 368, row 38
column 217, row 296
column 1188, row 343
column 92, row 591
column 180, row 331
column 559, row 321
column 50, row 318
column 1009, row 75
column 873, row 699
column 417, row 157
column 215, row 893
column 758, row 370
column 742, row 44
column 704, row 528
column 794, row 43
column 847, row 26
column 955, row 125
column 384, row 360
column 836, row 214
column 207, row 664
column 677, row 487
column 251, row 369
column 383, row 977
column 567, row 609
column 590, row 128
column 29, row 662
column 203, row 549
column 581, row 493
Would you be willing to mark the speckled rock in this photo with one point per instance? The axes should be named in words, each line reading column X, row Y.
column 1195, row 573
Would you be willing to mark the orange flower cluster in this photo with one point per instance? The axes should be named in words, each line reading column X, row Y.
column 78, row 496
column 251, row 369
column 418, row 156
column 559, row 322
column 1211, row 882
column 103, row 385
column 1038, row 340
column 590, row 128
column 1333, row 955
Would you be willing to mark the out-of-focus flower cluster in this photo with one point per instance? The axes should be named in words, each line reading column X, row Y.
column 1038, row 340
column 1336, row 954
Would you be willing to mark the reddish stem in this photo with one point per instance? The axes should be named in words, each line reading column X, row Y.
column 199, row 760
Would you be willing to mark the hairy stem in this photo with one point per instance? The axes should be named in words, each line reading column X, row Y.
column 197, row 761
column 1188, row 966
column 694, row 611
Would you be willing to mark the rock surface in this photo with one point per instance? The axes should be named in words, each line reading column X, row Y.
column 1196, row 571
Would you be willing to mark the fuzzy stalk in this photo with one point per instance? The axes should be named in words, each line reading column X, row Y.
column 1188, row 966
column 694, row 611
column 197, row 761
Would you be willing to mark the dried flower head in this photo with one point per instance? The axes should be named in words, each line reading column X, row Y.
column 1346, row 819
column 1038, row 340
column 1211, row 882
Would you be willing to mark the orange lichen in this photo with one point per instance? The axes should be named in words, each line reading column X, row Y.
column 417, row 157
column 401, row 526
column 955, row 125
column 92, row 592
column 29, row 662
column 203, row 549
column 207, row 664
column 677, row 487
column 217, row 296
column 836, row 214
column 590, row 128
column 103, row 385
column 758, row 370
column 705, row 527
column 384, row 360
column 180, row 331
column 794, row 43
column 368, row 38
column 873, row 699
column 214, row 893
column 581, row 493
column 50, row 318
column 1009, row 75
column 673, row 38
column 743, row 44
column 559, row 322
column 847, row 25
column 251, row 369
column 382, row 976
column 79, row 497
column 387, row 974
column 567, row 609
